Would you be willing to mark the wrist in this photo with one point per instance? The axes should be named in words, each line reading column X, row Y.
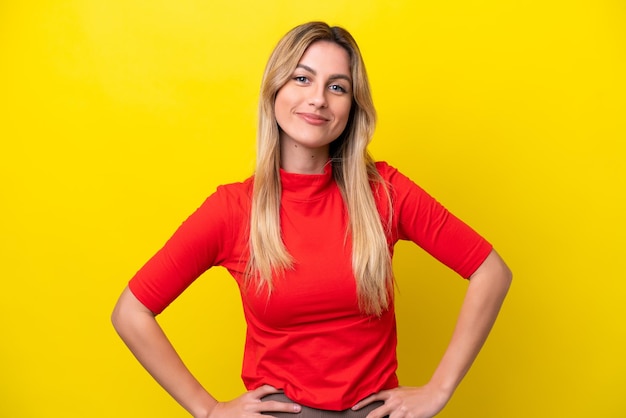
column 202, row 413
column 443, row 389
column 205, row 410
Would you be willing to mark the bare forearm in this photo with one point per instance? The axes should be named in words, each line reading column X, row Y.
column 486, row 292
column 144, row 337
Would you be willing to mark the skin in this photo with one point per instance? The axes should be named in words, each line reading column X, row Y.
column 487, row 289
column 312, row 110
column 139, row 329
column 313, row 107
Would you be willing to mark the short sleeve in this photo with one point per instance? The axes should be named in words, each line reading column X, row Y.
column 422, row 219
column 204, row 239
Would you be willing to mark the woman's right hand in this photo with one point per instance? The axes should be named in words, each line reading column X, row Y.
column 250, row 404
column 137, row 326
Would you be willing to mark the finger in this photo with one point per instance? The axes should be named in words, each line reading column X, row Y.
column 265, row 390
column 372, row 398
column 277, row 406
column 380, row 412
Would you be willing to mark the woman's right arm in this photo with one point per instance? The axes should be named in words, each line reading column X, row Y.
column 139, row 329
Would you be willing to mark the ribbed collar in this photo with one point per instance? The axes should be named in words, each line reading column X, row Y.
column 307, row 187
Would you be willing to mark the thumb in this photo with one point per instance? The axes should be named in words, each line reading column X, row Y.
column 265, row 390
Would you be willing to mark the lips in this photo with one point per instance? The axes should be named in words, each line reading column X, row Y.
column 313, row 118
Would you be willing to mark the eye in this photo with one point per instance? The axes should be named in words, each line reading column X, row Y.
column 301, row 79
column 337, row 88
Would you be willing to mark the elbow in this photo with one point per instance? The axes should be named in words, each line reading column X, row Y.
column 507, row 277
column 505, row 272
column 128, row 313
column 501, row 270
column 123, row 311
column 117, row 316
column 494, row 273
column 509, row 274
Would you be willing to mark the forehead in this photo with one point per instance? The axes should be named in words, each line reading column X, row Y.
column 326, row 57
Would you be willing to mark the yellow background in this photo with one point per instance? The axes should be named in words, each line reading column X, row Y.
column 118, row 117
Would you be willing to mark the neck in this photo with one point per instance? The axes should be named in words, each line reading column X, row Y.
column 295, row 158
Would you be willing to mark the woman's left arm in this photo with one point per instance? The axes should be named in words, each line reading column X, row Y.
column 487, row 289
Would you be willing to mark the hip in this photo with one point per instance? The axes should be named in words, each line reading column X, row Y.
column 307, row 412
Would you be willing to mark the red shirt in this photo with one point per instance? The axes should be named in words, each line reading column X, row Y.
column 309, row 338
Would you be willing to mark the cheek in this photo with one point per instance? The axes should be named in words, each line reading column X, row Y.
column 344, row 114
column 286, row 99
column 278, row 102
column 280, row 107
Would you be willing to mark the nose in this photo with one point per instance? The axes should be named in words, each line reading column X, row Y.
column 318, row 97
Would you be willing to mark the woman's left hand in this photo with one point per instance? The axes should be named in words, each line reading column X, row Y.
column 406, row 402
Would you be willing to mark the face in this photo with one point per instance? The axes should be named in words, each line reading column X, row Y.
column 313, row 107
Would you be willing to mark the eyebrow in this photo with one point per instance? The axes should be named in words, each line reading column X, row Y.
column 332, row 77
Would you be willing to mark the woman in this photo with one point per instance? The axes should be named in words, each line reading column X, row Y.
column 309, row 240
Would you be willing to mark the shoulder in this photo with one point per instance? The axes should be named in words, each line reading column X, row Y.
column 398, row 183
column 384, row 169
column 239, row 190
column 391, row 175
column 229, row 198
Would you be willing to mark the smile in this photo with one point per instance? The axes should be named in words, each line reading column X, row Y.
column 312, row 118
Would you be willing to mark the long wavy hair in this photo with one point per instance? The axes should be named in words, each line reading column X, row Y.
column 352, row 167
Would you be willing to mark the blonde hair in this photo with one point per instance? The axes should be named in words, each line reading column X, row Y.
column 352, row 167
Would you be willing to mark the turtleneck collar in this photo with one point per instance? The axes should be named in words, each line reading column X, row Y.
column 306, row 187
